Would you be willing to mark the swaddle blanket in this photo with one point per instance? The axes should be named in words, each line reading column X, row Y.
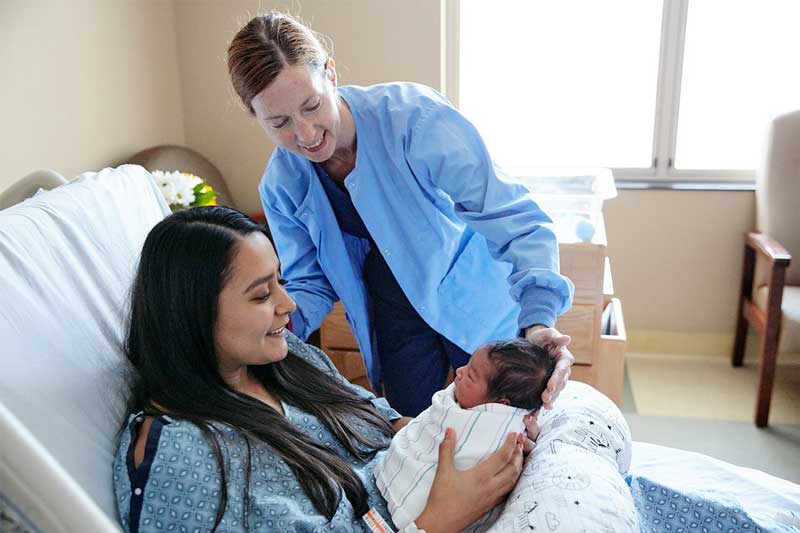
column 405, row 474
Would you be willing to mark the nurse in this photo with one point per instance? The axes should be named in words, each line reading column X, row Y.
column 386, row 198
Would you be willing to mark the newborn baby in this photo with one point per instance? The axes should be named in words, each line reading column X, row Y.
column 490, row 396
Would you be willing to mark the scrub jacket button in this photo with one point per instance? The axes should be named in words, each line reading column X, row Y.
column 137, row 491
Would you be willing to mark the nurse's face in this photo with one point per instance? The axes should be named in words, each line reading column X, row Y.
column 301, row 112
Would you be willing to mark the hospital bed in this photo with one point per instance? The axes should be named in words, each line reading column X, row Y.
column 67, row 257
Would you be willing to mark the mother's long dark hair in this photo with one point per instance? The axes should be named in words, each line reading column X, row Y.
column 185, row 263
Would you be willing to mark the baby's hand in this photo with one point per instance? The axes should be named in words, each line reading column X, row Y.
column 532, row 433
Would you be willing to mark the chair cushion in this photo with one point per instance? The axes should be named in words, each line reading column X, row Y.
column 790, row 305
column 778, row 187
column 67, row 258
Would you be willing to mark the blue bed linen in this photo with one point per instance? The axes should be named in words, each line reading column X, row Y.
column 680, row 491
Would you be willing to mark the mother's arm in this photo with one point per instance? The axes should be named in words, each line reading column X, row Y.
column 460, row 497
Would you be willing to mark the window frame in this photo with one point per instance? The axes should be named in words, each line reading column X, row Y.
column 661, row 174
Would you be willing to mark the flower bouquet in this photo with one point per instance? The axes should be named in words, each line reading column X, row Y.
column 182, row 190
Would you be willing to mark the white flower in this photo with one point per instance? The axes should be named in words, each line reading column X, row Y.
column 177, row 187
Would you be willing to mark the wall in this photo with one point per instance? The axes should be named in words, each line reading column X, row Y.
column 85, row 84
column 374, row 42
column 676, row 259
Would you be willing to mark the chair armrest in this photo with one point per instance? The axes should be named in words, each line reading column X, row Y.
column 771, row 249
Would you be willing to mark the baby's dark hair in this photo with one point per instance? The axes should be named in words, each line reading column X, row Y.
column 521, row 370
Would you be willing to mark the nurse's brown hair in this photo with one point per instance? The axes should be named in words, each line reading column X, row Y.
column 265, row 45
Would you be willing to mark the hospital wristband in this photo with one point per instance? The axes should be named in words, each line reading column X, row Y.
column 376, row 523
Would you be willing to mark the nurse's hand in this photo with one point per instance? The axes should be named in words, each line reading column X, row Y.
column 556, row 344
column 460, row 497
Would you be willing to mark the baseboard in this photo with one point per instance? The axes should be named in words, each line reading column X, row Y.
column 680, row 342
column 696, row 343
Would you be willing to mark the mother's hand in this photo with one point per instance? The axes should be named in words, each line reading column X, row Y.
column 556, row 343
column 460, row 497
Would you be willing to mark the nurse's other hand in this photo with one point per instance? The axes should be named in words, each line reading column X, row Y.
column 556, row 343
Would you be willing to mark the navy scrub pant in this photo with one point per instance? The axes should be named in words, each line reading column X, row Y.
column 415, row 359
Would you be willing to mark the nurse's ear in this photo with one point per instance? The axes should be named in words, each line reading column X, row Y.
column 330, row 70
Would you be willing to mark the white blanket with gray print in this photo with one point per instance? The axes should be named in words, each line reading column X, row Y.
column 573, row 481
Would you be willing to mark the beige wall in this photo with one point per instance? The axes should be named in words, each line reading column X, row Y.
column 105, row 78
column 676, row 257
column 373, row 42
column 85, row 84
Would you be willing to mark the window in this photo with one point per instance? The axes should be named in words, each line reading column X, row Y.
column 671, row 90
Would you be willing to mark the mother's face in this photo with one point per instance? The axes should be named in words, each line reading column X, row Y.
column 253, row 308
column 300, row 111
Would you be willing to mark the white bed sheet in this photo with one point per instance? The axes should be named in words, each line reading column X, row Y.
column 67, row 258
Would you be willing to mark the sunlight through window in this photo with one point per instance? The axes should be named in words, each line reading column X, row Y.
column 569, row 83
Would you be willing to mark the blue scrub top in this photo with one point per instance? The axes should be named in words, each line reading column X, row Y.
column 472, row 251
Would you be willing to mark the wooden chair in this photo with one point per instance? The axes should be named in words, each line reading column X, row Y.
column 772, row 304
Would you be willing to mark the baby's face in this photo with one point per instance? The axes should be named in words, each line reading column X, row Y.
column 472, row 380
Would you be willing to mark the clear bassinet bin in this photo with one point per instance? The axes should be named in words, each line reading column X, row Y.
column 572, row 197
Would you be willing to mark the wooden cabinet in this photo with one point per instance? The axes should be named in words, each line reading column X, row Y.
column 338, row 342
column 594, row 322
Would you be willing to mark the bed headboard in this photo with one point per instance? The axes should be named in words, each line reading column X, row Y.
column 29, row 185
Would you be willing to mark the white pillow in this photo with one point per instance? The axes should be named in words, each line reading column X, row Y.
column 67, row 258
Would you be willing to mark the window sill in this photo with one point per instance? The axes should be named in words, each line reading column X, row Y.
column 661, row 185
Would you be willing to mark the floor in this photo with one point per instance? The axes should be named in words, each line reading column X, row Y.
column 703, row 404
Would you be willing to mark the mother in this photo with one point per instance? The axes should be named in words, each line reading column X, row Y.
column 385, row 197
column 235, row 423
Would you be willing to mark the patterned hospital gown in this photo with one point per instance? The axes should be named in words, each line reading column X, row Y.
column 176, row 487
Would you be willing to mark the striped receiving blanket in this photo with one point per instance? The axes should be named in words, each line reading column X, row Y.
column 405, row 474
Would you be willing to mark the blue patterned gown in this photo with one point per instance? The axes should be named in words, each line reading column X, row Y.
column 176, row 487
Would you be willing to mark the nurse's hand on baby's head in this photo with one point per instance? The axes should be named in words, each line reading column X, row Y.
column 556, row 343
